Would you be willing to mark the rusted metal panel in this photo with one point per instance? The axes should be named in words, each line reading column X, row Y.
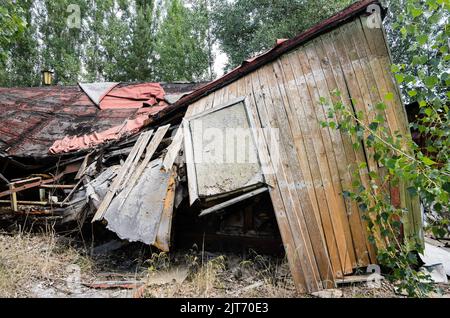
column 138, row 218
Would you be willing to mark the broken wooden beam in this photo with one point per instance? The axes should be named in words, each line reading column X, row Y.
column 235, row 200
column 24, row 203
column 57, row 186
column 117, row 181
column 29, row 185
column 152, row 146
column 173, row 150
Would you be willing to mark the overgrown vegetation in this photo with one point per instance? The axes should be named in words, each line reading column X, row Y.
column 423, row 170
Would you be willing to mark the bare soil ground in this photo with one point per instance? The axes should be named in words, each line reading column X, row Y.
column 48, row 265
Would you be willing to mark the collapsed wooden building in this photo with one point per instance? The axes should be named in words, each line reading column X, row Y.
column 181, row 160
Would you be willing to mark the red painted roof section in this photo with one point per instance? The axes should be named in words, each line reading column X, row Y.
column 133, row 96
column 281, row 48
column 32, row 119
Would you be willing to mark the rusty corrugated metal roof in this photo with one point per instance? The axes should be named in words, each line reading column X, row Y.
column 32, row 119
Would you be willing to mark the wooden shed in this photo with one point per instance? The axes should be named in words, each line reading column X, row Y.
column 324, row 235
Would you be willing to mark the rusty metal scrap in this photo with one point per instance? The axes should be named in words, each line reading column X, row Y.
column 140, row 216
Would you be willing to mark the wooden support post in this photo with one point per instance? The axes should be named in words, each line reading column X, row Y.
column 13, row 198
column 42, row 194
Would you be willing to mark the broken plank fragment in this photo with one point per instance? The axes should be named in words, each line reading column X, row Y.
column 233, row 201
column 162, row 240
column 152, row 146
column 173, row 150
column 117, row 181
column 136, row 160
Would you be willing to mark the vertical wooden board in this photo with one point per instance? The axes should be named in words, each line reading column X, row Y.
column 310, row 123
column 295, row 264
column 285, row 90
column 354, row 155
column 334, row 148
column 313, row 226
column 190, row 163
column 326, row 83
column 241, row 88
column 210, row 101
column 349, row 159
column 376, row 71
column 232, row 91
column 345, row 37
column 357, row 40
column 325, row 154
column 351, row 51
column 300, row 246
column 356, row 84
column 355, row 94
column 317, row 250
column 163, row 235
column 219, row 97
column 308, row 163
column 224, row 95
column 378, row 55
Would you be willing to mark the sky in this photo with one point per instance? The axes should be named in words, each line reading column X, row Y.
column 220, row 61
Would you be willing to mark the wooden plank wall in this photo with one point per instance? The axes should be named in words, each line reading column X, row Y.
column 324, row 235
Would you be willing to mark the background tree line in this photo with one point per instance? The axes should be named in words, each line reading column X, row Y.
column 161, row 40
column 143, row 40
column 116, row 40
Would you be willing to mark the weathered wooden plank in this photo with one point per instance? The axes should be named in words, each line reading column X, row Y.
column 396, row 115
column 163, row 235
column 298, row 262
column 295, row 213
column 347, row 157
column 245, row 90
column 356, row 84
column 326, row 84
column 173, row 150
column 219, row 96
column 232, row 91
column 137, row 158
column 346, row 266
column 149, row 152
column 354, row 155
column 14, row 206
column 290, row 95
column 354, row 92
column 190, row 163
column 305, row 83
column 117, row 181
column 334, row 149
column 233, row 201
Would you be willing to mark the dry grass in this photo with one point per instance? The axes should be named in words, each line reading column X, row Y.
column 31, row 260
column 228, row 275
column 26, row 259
